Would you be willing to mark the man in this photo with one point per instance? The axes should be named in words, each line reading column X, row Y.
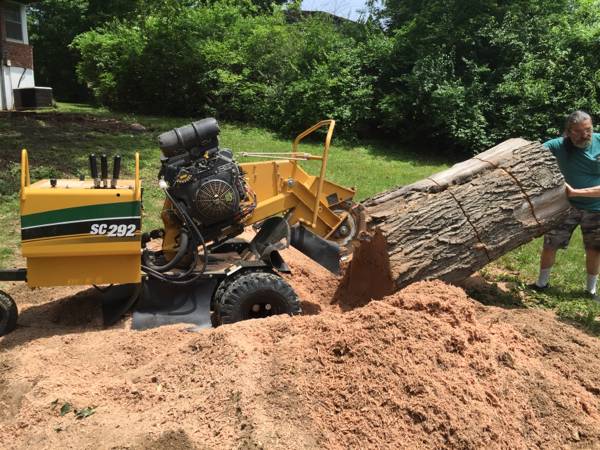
column 577, row 154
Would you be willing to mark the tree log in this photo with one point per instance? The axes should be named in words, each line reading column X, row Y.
column 453, row 223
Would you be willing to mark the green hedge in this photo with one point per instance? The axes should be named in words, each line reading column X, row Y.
column 218, row 60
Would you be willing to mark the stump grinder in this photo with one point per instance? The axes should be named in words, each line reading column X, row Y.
column 197, row 269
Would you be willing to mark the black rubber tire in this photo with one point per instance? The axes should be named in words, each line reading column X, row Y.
column 223, row 286
column 8, row 314
column 215, row 318
column 265, row 290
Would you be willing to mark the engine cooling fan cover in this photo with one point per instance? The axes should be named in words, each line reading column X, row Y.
column 216, row 200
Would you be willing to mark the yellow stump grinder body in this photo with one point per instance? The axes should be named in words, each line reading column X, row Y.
column 196, row 269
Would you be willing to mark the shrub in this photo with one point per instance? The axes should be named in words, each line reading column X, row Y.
column 219, row 60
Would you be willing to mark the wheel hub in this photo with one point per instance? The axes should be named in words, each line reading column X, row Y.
column 258, row 306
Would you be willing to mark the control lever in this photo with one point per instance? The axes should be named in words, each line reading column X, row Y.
column 104, row 170
column 94, row 170
column 116, row 171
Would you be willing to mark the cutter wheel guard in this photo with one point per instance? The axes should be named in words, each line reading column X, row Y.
column 195, row 269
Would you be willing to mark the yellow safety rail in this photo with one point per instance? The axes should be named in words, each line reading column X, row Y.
column 25, row 179
column 323, row 158
column 296, row 156
column 137, row 191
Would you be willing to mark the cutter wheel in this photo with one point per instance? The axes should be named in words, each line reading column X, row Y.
column 348, row 233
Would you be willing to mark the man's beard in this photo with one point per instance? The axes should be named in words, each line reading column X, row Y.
column 583, row 144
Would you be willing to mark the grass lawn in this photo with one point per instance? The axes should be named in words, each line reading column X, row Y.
column 566, row 294
column 59, row 145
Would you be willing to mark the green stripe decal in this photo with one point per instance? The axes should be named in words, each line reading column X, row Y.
column 108, row 210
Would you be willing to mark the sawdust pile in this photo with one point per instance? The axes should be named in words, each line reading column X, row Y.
column 423, row 368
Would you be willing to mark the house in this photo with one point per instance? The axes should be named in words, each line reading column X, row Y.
column 17, row 83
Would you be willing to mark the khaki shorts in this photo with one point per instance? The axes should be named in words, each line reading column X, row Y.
column 589, row 221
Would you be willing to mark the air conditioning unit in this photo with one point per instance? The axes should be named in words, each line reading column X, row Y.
column 32, row 97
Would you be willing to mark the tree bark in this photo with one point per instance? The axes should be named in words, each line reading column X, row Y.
column 453, row 223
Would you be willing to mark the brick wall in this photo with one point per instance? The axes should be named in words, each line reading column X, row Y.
column 2, row 32
column 20, row 55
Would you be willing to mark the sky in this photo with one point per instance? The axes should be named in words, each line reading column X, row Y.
column 343, row 8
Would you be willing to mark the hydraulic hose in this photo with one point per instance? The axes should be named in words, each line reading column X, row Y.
column 181, row 279
column 181, row 252
column 190, row 223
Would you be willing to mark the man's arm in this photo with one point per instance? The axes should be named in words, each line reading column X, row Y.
column 585, row 192
column 553, row 145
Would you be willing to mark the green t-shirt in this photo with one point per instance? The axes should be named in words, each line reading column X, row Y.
column 580, row 167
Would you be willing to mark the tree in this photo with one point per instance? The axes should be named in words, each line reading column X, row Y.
column 54, row 24
column 471, row 73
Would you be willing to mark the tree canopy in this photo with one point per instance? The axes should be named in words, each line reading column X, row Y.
column 459, row 74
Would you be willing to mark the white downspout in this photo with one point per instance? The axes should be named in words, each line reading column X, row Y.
column 12, row 95
column 3, row 105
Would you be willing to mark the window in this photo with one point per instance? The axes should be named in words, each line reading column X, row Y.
column 13, row 23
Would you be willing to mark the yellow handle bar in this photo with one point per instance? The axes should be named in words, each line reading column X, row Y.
column 25, row 179
column 323, row 158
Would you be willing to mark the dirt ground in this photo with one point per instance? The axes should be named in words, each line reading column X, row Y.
column 90, row 122
column 426, row 367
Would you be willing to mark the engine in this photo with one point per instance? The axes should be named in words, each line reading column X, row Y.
column 204, row 179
